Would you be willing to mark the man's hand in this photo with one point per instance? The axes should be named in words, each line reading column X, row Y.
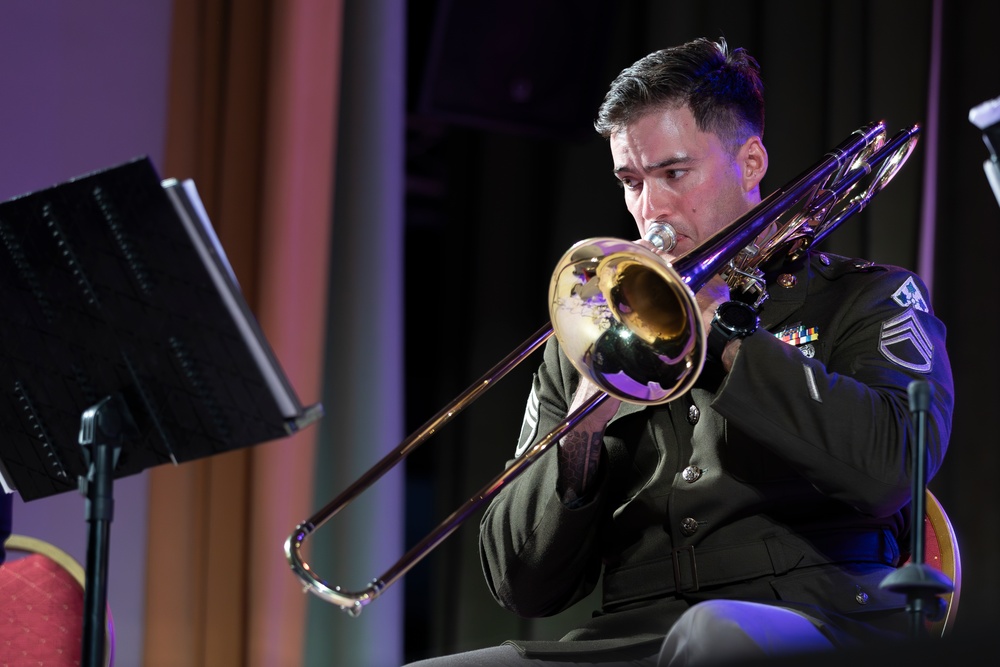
column 715, row 291
column 709, row 297
column 580, row 449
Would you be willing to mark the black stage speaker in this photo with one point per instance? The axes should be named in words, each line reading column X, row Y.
column 520, row 66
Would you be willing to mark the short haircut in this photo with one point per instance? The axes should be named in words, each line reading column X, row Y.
column 722, row 88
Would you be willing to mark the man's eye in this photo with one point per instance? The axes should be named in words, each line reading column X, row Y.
column 674, row 173
column 628, row 183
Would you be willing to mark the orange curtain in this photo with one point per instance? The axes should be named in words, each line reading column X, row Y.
column 252, row 118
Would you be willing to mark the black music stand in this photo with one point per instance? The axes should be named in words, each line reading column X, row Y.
column 986, row 117
column 922, row 584
column 125, row 343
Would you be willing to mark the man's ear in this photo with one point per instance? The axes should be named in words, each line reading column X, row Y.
column 752, row 159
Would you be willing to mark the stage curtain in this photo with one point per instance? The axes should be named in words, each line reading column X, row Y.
column 252, row 118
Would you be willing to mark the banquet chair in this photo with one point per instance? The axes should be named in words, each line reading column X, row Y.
column 42, row 606
column 941, row 552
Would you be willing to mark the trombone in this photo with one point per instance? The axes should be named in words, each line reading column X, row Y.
column 628, row 320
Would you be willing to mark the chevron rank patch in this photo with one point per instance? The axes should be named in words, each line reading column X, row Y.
column 529, row 427
column 909, row 295
column 904, row 342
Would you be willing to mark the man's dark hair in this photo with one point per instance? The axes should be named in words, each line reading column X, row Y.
column 722, row 88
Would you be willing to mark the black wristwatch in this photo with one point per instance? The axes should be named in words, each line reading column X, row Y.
column 733, row 319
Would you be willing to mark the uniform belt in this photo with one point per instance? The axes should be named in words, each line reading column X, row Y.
column 688, row 569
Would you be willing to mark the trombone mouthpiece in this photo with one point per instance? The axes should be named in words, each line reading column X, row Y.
column 663, row 236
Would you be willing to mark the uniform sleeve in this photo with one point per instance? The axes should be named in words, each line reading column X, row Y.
column 538, row 555
column 842, row 419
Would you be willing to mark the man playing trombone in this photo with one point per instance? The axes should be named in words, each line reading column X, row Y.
column 756, row 513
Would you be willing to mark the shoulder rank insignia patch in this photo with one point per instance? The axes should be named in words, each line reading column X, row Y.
column 529, row 428
column 903, row 341
column 909, row 295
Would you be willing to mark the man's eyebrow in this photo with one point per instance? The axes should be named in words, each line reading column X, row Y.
column 669, row 162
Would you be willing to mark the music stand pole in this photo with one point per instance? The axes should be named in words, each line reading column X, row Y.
column 921, row 583
column 102, row 431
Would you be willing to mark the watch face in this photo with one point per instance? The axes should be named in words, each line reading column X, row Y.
column 738, row 317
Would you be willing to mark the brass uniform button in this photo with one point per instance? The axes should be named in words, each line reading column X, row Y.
column 787, row 280
column 693, row 414
column 689, row 526
column 691, row 474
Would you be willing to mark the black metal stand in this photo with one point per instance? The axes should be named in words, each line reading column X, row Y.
column 103, row 428
column 986, row 117
column 921, row 583
column 116, row 286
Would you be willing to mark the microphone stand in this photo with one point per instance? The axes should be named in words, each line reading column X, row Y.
column 921, row 583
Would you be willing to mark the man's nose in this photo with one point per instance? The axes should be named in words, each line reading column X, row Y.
column 656, row 203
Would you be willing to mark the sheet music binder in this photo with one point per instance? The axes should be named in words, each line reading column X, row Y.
column 115, row 283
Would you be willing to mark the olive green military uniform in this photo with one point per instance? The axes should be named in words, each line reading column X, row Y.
column 786, row 481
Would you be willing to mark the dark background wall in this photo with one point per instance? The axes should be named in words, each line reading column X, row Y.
column 504, row 173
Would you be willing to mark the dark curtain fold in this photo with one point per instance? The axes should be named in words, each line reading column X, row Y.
column 492, row 205
column 968, row 230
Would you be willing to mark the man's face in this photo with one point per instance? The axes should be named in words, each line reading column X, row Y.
column 673, row 172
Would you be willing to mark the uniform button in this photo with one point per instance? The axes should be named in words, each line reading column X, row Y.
column 691, row 474
column 689, row 526
column 824, row 260
column 860, row 595
column 787, row 280
column 693, row 414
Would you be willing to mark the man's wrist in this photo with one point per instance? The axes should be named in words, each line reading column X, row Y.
column 729, row 353
column 733, row 320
